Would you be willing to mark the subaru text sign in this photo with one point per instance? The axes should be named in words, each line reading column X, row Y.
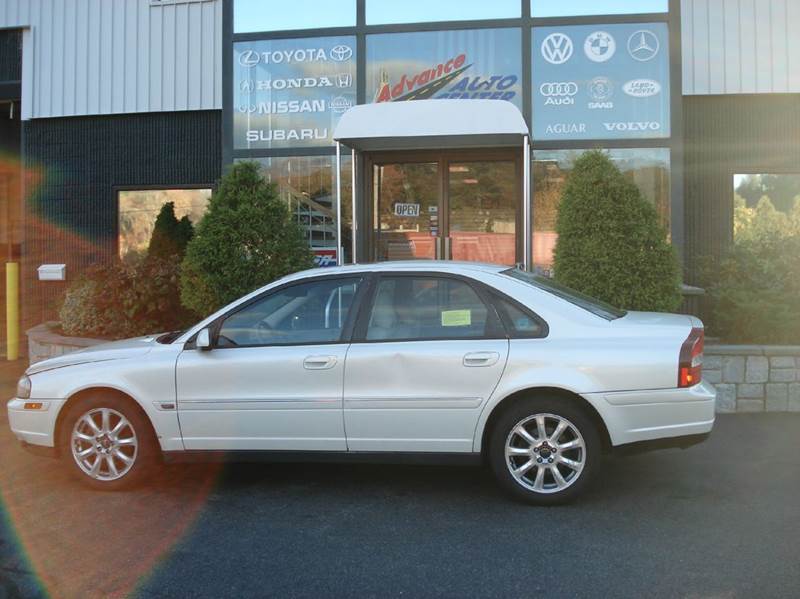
column 601, row 82
column 291, row 92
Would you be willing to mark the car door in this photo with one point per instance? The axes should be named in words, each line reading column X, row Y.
column 427, row 354
column 273, row 377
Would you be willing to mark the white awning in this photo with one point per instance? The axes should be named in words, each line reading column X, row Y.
column 434, row 124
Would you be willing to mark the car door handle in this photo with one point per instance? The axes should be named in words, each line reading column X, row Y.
column 481, row 358
column 319, row 362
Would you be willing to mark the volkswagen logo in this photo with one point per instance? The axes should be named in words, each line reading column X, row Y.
column 558, row 88
column 249, row 58
column 341, row 53
column 601, row 89
column 643, row 45
column 599, row 46
column 557, row 48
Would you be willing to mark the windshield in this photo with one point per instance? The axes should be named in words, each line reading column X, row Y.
column 595, row 306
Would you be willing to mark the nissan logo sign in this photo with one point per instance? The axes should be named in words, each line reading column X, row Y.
column 558, row 88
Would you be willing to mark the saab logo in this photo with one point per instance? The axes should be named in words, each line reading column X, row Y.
column 633, row 126
column 557, row 48
column 599, row 46
column 565, row 128
column 324, row 257
column 410, row 210
column 341, row 53
column 340, row 104
column 642, row 88
column 643, row 45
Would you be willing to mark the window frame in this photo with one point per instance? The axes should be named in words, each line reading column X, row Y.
column 344, row 337
column 496, row 329
column 510, row 328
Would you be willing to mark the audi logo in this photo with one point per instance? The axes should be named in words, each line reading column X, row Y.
column 558, row 88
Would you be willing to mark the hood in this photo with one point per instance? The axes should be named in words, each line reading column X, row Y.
column 114, row 350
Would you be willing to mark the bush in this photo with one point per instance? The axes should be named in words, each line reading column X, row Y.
column 610, row 243
column 245, row 240
column 170, row 235
column 125, row 299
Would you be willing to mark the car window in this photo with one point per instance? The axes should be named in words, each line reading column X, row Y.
column 306, row 313
column 426, row 308
column 520, row 324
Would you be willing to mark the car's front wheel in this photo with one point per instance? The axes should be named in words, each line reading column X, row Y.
column 544, row 450
column 107, row 442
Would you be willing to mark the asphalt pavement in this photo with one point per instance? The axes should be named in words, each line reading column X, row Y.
column 721, row 520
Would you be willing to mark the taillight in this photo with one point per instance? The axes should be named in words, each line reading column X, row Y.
column 690, row 362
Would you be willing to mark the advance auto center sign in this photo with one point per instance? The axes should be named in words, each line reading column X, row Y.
column 468, row 64
column 601, row 82
column 291, row 93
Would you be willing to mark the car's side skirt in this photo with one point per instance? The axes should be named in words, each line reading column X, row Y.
column 359, row 457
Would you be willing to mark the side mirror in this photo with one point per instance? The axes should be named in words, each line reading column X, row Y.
column 203, row 340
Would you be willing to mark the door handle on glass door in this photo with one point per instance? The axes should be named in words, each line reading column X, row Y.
column 481, row 358
column 319, row 362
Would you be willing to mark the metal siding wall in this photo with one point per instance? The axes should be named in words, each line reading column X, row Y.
column 740, row 46
column 110, row 57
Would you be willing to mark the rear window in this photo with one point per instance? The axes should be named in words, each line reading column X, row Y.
column 595, row 306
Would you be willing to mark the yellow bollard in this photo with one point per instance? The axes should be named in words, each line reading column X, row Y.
column 12, row 310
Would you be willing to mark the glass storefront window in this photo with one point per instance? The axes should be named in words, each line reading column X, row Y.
column 649, row 169
column 570, row 8
column 766, row 206
column 291, row 93
column 466, row 64
column 380, row 12
column 138, row 209
column 257, row 15
column 308, row 186
column 601, row 81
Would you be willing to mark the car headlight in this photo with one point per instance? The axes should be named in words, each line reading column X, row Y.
column 24, row 387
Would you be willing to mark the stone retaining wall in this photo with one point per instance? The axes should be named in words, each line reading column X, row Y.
column 754, row 378
column 44, row 342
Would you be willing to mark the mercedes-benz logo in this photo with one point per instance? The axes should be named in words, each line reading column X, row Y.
column 557, row 48
column 341, row 53
column 643, row 45
column 249, row 58
column 599, row 46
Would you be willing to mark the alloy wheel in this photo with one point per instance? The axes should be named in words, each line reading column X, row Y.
column 104, row 444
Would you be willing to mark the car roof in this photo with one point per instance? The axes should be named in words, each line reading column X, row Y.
column 445, row 266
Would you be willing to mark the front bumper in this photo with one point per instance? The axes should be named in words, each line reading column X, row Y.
column 34, row 426
column 634, row 416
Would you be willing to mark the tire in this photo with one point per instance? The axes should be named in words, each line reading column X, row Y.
column 122, row 439
column 531, row 454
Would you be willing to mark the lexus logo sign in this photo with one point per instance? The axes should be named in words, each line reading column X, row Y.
column 557, row 48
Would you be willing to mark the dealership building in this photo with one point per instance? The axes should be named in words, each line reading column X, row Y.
column 110, row 108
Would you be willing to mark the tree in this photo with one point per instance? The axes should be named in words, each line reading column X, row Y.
column 170, row 235
column 245, row 240
column 610, row 242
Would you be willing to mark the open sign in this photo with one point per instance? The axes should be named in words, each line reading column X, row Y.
column 410, row 210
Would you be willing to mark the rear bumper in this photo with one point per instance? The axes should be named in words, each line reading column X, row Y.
column 635, row 416
column 34, row 427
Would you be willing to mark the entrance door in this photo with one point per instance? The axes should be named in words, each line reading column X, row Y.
column 453, row 206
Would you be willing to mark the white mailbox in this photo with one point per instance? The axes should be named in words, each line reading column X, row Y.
column 52, row 272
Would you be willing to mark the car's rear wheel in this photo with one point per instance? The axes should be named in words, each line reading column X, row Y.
column 108, row 442
column 544, row 450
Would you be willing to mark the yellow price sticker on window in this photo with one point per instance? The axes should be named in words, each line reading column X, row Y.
column 456, row 318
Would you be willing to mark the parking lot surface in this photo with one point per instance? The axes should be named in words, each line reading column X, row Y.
column 721, row 519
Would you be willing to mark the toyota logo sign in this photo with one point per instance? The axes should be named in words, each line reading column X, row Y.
column 558, row 88
column 341, row 53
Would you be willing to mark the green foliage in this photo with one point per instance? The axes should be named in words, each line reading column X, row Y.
column 125, row 299
column 610, row 243
column 246, row 239
column 170, row 235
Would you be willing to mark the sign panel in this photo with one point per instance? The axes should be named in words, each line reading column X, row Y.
column 291, row 93
column 324, row 257
column 601, row 82
column 468, row 64
column 410, row 210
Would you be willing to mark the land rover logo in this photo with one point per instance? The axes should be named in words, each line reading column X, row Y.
column 557, row 48
column 642, row 88
column 249, row 58
column 341, row 53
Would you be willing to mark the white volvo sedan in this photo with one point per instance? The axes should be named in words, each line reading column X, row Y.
column 382, row 361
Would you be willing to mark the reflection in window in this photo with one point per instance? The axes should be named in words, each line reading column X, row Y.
column 257, row 15
column 569, row 8
column 307, row 184
column 380, row 12
column 649, row 169
column 139, row 208
column 766, row 206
